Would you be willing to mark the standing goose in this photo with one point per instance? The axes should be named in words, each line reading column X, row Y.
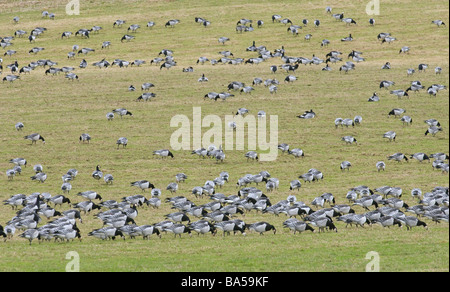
column 39, row 177
column 97, row 174
column 34, row 138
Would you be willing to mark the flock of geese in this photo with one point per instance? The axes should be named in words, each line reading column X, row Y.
column 363, row 205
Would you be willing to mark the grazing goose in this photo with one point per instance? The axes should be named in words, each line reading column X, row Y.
column 297, row 226
column 108, row 178
column 438, row 22
column 391, row 135
column 406, row 120
column 223, row 40
column 252, row 155
column 143, row 185
column 433, row 130
column 39, row 177
column 229, row 226
column 349, row 140
column 261, row 227
column 411, row 222
column 19, row 126
column 122, row 141
column 171, row 23
column 345, row 165
column 295, row 185
column 398, row 157
column 163, row 153
column 34, row 138
column 122, row 112
column 90, row 195
column 396, row 112
column 420, row 156
column 366, row 202
column 11, row 78
column 31, row 234
column 297, row 152
column 177, row 229
column 85, row 138
column 127, row 38
column 87, row 206
column 323, row 223
column 381, row 166
column 387, row 221
column 399, row 93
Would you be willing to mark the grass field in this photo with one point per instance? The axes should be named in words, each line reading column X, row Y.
column 62, row 110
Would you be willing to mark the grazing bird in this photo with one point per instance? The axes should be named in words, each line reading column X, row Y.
column 438, row 22
column 262, row 227
column 396, row 112
column 163, row 153
column 85, row 138
column 420, row 156
column 349, row 140
column 391, row 135
column 122, row 112
column 433, row 130
column 399, row 93
column 143, row 185
column 307, row 115
column 398, row 157
column 34, row 138
column 122, row 141
column 171, row 23
column 381, row 166
column 39, row 177
column 345, row 165
column 127, row 38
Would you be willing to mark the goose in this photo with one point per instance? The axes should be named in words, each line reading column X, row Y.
column 411, row 222
column 10, row 53
column 242, row 111
column 41, row 177
column 440, row 156
column 323, row 223
column 366, row 202
column 134, row 27
column 66, row 187
column 122, row 141
column 229, row 226
column 11, row 78
column 171, row 23
column 296, row 152
column 387, row 221
column 438, row 70
column 349, row 140
column 172, row 188
column 262, row 227
column 420, row 156
column 416, row 193
column 438, row 22
column 381, row 166
column 97, row 174
column 400, row 93
column 59, row 200
column 391, row 135
column 90, row 195
column 202, row 60
column 396, row 112
column 307, row 115
column 163, row 153
column 406, row 120
column 127, row 38
column 398, row 157
column 422, row 67
column 295, row 185
column 349, row 38
column 106, row 233
column 146, row 96
column 108, row 178
column 34, row 138
column 252, row 155
column 223, row 40
column 203, row 79
column 36, row 50
column 86, row 206
column 143, row 184
column 316, row 23
column 31, row 234
column 388, row 39
column 11, row 173
column 433, row 122
column 122, row 112
column 433, row 130
column 177, row 229
column 345, row 165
